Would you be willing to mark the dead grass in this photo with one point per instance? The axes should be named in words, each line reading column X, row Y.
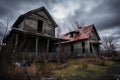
column 73, row 67
column 82, row 68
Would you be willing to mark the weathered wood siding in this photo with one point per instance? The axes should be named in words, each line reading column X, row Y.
column 78, row 48
column 30, row 23
column 95, row 48
column 93, row 36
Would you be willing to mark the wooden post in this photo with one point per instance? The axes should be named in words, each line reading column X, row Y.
column 48, row 42
column 59, row 51
column 47, row 55
column 36, row 50
column 22, row 25
column 16, row 39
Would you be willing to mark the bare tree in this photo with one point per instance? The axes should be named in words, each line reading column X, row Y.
column 6, row 24
column 109, row 44
column 78, row 24
column 5, row 56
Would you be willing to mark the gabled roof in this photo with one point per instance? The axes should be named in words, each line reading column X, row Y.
column 82, row 33
column 21, row 17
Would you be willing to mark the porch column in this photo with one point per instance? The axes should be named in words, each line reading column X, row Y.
column 48, row 41
column 36, row 51
column 16, row 39
column 47, row 55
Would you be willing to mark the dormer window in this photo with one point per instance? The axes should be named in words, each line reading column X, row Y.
column 73, row 34
column 40, row 25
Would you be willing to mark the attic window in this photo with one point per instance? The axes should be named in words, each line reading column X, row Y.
column 40, row 25
column 73, row 34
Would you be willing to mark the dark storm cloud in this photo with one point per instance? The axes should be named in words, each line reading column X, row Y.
column 112, row 11
column 8, row 6
column 105, row 14
column 11, row 7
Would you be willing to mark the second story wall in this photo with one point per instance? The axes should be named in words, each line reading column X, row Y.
column 93, row 36
column 38, row 22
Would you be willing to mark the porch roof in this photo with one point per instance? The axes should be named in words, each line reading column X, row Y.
column 37, row 34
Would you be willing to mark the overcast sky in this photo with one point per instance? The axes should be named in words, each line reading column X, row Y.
column 104, row 14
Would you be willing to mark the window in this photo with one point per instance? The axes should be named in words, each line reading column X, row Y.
column 74, row 34
column 40, row 25
column 51, row 46
column 71, row 35
column 91, row 48
column 83, row 47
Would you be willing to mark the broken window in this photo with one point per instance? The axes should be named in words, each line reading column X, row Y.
column 40, row 25
column 91, row 48
column 83, row 47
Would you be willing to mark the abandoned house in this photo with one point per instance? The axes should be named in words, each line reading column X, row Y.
column 33, row 33
column 84, row 41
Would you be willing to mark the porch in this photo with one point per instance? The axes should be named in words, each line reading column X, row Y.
column 34, row 46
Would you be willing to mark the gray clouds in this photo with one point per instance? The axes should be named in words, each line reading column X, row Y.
column 105, row 14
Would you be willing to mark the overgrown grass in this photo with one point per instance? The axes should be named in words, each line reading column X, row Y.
column 92, row 70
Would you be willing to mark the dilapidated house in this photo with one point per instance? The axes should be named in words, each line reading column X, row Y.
column 84, row 41
column 33, row 33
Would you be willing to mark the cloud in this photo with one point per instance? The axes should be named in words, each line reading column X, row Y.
column 105, row 14
column 62, row 11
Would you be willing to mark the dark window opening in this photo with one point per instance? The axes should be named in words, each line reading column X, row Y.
column 27, row 43
column 83, row 47
column 40, row 25
column 42, row 45
column 91, row 48
column 71, row 35
column 51, row 46
column 72, row 49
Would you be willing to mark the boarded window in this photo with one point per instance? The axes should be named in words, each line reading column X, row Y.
column 91, row 48
column 40, row 25
column 83, row 47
